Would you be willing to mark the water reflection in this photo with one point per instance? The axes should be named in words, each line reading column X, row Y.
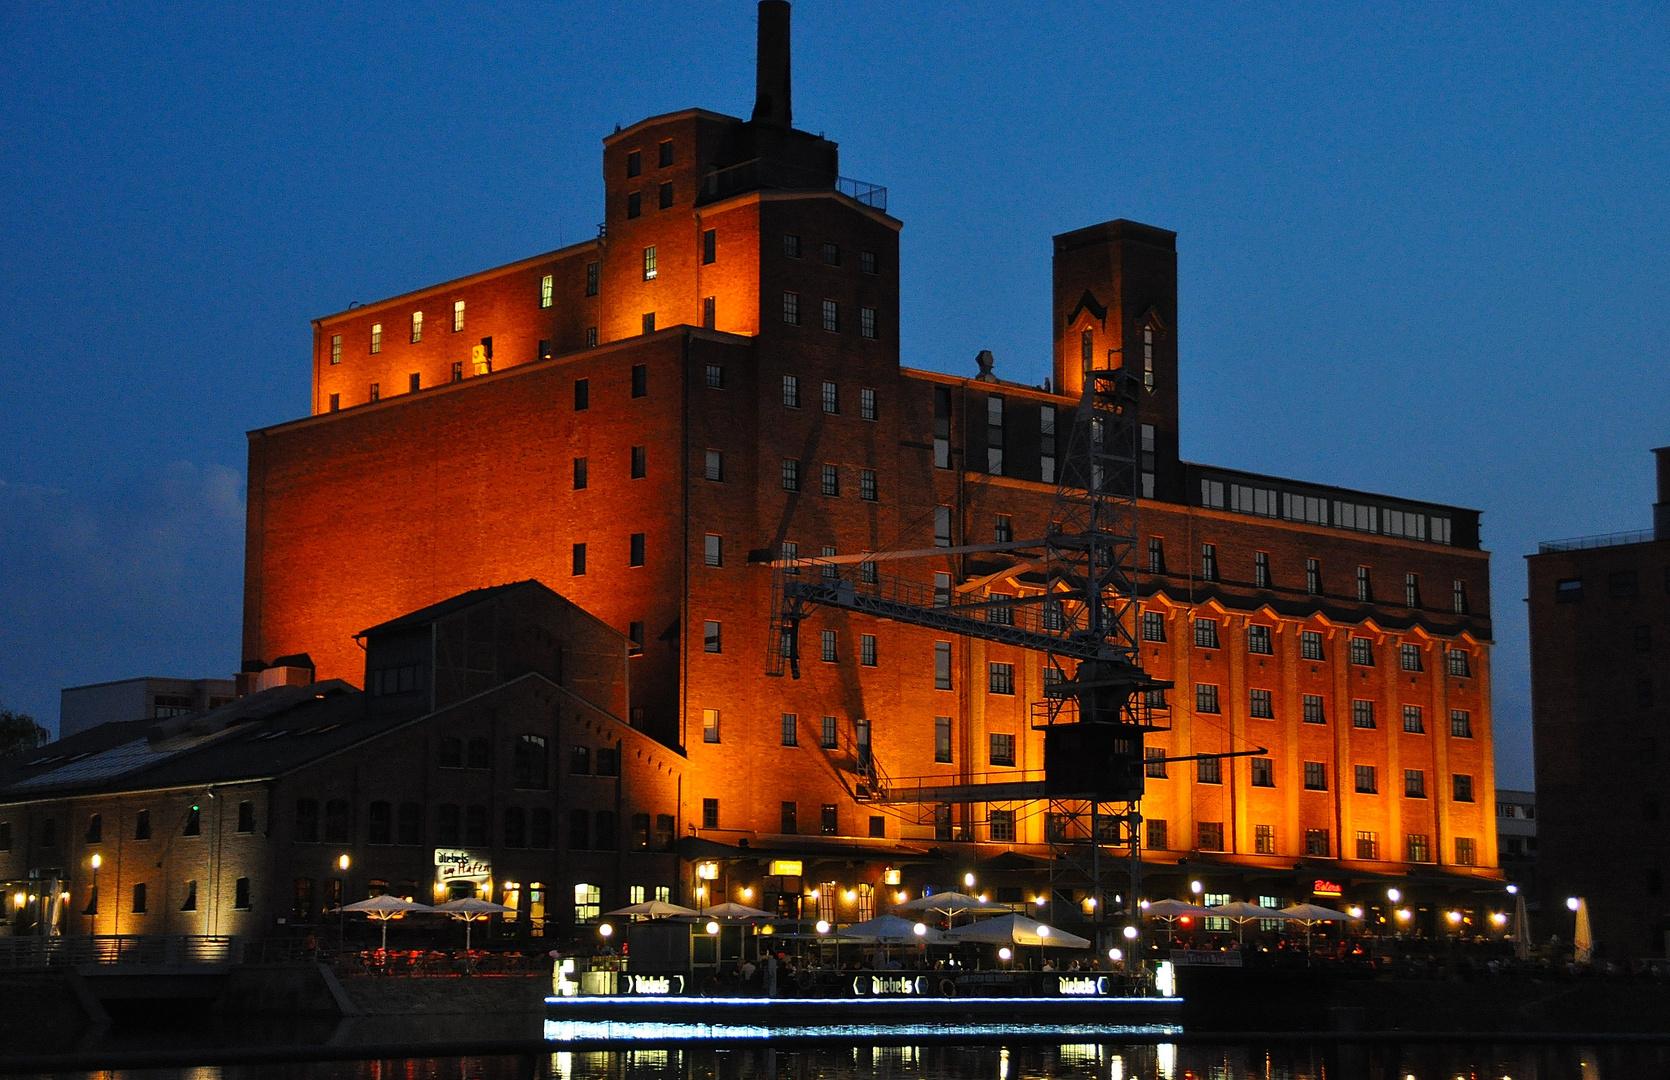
column 1075, row 1060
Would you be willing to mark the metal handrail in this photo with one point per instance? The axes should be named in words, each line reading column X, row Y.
column 1601, row 540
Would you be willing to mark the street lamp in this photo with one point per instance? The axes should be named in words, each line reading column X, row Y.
column 1571, row 901
column 342, row 864
column 93, row 908
column 968, row 880
column 1195, row 887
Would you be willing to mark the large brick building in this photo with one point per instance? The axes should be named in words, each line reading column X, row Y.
column 1600, row 621
column 644, row 420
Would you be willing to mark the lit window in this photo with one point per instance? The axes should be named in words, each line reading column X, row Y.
column 547, row 290
column 457, row 315
column 376, row 337
column 649, row 263
column 710, row 725
column 336, row 348
column 417, row 327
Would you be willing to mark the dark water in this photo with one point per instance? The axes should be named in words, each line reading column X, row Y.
column 1089, row 1061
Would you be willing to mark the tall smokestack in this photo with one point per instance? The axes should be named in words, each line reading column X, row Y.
column 771, row 79
column 1661, row 509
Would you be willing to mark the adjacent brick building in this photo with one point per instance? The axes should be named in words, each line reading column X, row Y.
column 1600, row 624
column 645, row 420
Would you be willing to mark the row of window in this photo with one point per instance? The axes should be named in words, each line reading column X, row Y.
column 1620, row 584
column 1260, row 641
column 1365, row 592
column 829, row 315
column 1209, row 836
column 191, row 824
column 1318, row 510
column 140, row 901
column 829, row 477
column 455, row 824
column 793, row 249
column 829, row 819
column 829, row 397
column 1209, row 770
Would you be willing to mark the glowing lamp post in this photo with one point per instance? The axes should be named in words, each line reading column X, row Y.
column 93, row 907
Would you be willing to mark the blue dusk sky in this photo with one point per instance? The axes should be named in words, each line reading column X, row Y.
column 1423, row 249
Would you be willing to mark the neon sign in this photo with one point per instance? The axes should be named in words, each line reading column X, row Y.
column 1324, row 887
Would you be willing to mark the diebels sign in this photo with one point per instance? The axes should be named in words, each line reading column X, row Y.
column 457, row 863
column 1324, row 887
column 652, row 985
column 1081, row 985
column 889, row 985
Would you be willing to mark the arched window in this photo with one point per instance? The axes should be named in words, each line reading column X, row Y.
column 530, row 762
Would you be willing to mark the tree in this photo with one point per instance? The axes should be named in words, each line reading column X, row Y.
column 19, row 733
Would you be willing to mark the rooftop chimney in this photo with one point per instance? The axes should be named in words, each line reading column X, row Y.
column 1661, row 509
column 771, row 79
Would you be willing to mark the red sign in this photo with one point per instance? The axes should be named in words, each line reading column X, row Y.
column 1324, row 887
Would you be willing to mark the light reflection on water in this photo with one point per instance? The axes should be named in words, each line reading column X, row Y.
column 1067, row 1061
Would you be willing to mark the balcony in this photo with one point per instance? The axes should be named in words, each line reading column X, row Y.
column 1603, row 540
column 765, row 174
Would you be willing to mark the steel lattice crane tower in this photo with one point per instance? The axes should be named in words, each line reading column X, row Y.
column 1098, row 702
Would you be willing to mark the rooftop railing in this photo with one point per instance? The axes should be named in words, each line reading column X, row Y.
column 1602, row 540
column 764, row 173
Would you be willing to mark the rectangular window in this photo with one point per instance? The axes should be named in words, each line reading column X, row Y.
column 376, row 392
column 648, row 324
column 827, row 732
column 1003, row 826
column 1316, row 776
column 711, row 641
column 1413, row 721
column 635, row 550
column 1362, row 714
column 867, row 650
column 579, row 560
column 710, row 725
column 866, row 485
column 240, row 894
column 649, row 264
column 457, row 316
column 831, row 480
column 634, row 163
column 414, row 382
column 1209, row 562
column 634, row 204
column 1001, row 678
column 336, row 402
column 830, row 825
column 791, row 308
column 788, row 816
column 791, row 246
column 1365, row 587
column 639, row 462
column 582, row 395
column 1156, row 555
column 1260, row 705
column 1003, row 749
column 1458, row 596
column 1417, row 848
column 1156, row 838
column 867, row 323
column 1263, row 772
column 1211, row 835
column 336, row 348
column 1154, row 762
column 791, row 391
column 1362, row 652
column 1310, row 645
column 827, row 640
column 1411, row 590
column 942, row 665
column 593, row 275
column 1368, row 845
column 1317, row 843
column 1209, row 770
column 1258, row 640
column 1366, row 783
column 1409, row 657
column 831, row 316
column 377, row 336
column 710, row 246
column 1153, row 626
column 1464, row 855
column 1461, row 724
column 715, row 467
column 546, row 291
column 1414, row 784
column 1313, row 577
column 1206, row 698
column 1261, row 569
column 1206, row 633
column 1463, row 787
column 942, row 740
column 791, row 729
column 665, row 194
column 1264, row 843
column 791, row 474
column 1458, row 665
column 867, row 262
column 942, row 428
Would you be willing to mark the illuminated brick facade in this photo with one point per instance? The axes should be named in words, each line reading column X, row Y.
column 779, row 413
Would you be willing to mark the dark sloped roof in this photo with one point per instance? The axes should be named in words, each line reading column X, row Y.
column 424, row 616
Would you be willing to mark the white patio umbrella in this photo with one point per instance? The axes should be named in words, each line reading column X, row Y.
column 887, row 930
column 732, row 910
column 1521, row 930
column 385, row 908
column 1310, row 914
column 951, row 904
column 1172, row 909
column 1583, row 938
column 1242, row 913
column 467, row 909
column 1014, row 929
column 651, row 909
